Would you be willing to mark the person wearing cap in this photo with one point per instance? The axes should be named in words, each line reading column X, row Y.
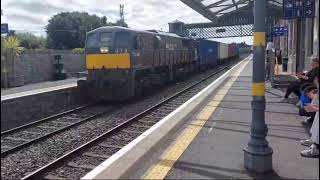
column 303, row 79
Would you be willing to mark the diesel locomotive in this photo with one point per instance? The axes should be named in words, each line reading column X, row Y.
column 123, row 62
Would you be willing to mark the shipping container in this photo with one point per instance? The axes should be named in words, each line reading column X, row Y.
column 223, row 51
column 232, row 50
column 208, row 52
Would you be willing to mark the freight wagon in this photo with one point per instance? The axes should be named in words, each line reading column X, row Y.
column 208, row 53
column 223, row 52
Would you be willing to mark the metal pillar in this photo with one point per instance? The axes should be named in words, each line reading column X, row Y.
column 284, row 40
column 258, row 154
column 308, row 44
column 316, row 30
column 300, row 45
column 292, row 46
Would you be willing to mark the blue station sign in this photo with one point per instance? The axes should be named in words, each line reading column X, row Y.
column 280, row 31
column 298, row 9
column 4, row 28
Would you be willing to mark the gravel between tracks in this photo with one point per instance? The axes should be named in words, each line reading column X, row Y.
column 29, row 159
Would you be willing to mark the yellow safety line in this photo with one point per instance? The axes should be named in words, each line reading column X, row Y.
column 160, row 170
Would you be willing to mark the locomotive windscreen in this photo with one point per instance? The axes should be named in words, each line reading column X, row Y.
column 106, row 38
column 91, row 40
column 122, row 40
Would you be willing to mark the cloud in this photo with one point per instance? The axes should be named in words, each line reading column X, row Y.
column 33, row 15
column 35, row 7
column 26, row 19
column 138, row 14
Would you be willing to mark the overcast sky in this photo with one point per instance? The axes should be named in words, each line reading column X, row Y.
column 33, row 15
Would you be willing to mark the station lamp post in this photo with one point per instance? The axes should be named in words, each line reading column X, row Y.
column 258, row 154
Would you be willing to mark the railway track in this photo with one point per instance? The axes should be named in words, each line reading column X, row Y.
column 23, row 136
column 76, row 163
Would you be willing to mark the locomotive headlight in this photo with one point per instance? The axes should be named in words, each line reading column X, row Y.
column 104, row 49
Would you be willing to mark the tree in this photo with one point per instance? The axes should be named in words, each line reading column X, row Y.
column 3, row 66
column 67, row 30
column 42, row 42
column 121, row 23
column 2, row 50
column 30, row 41
column 10, row 49
column 104, row 21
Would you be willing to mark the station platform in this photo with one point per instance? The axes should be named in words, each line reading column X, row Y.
column 209, row 143
column 210, row 146
column 31, row 89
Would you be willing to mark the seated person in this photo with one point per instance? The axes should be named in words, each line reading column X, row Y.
column 303, row 79
column 305, row 100
column 313, row 143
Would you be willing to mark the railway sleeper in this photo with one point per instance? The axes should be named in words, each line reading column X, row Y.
column 132, row 132
column 32, row 132
column 169, row 108
column 110, row 146
column 180, row 100
column 174, row 104
column 63, row 122
column 156, row 113
column 140, row 126
column 122, row 139
column 75, row 118
column 17, row 139
column 6, row 147
column 83, row 166
column 152, row 117
column 148, row 121
column 96, row 155
column 52, row 177
column 48, row 127
column 163, row 111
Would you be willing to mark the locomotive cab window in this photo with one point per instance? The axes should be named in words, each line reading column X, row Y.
column 136, row 43
column 106, row 37
column 122, row 40
column 156, row 42
column 91, row 40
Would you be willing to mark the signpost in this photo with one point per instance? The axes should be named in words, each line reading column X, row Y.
column 280, row 31
column 220, row 30
column 4, row 28
column 298, row 9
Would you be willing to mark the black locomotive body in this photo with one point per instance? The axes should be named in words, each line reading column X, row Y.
column 123, row 62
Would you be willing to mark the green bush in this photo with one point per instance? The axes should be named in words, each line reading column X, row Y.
column 78, row 50
column 30, row 41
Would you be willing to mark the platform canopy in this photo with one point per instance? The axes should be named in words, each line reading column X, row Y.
column 236, row 16
column 213, row 9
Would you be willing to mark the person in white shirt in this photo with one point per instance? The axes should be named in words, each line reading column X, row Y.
column 269, row 50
